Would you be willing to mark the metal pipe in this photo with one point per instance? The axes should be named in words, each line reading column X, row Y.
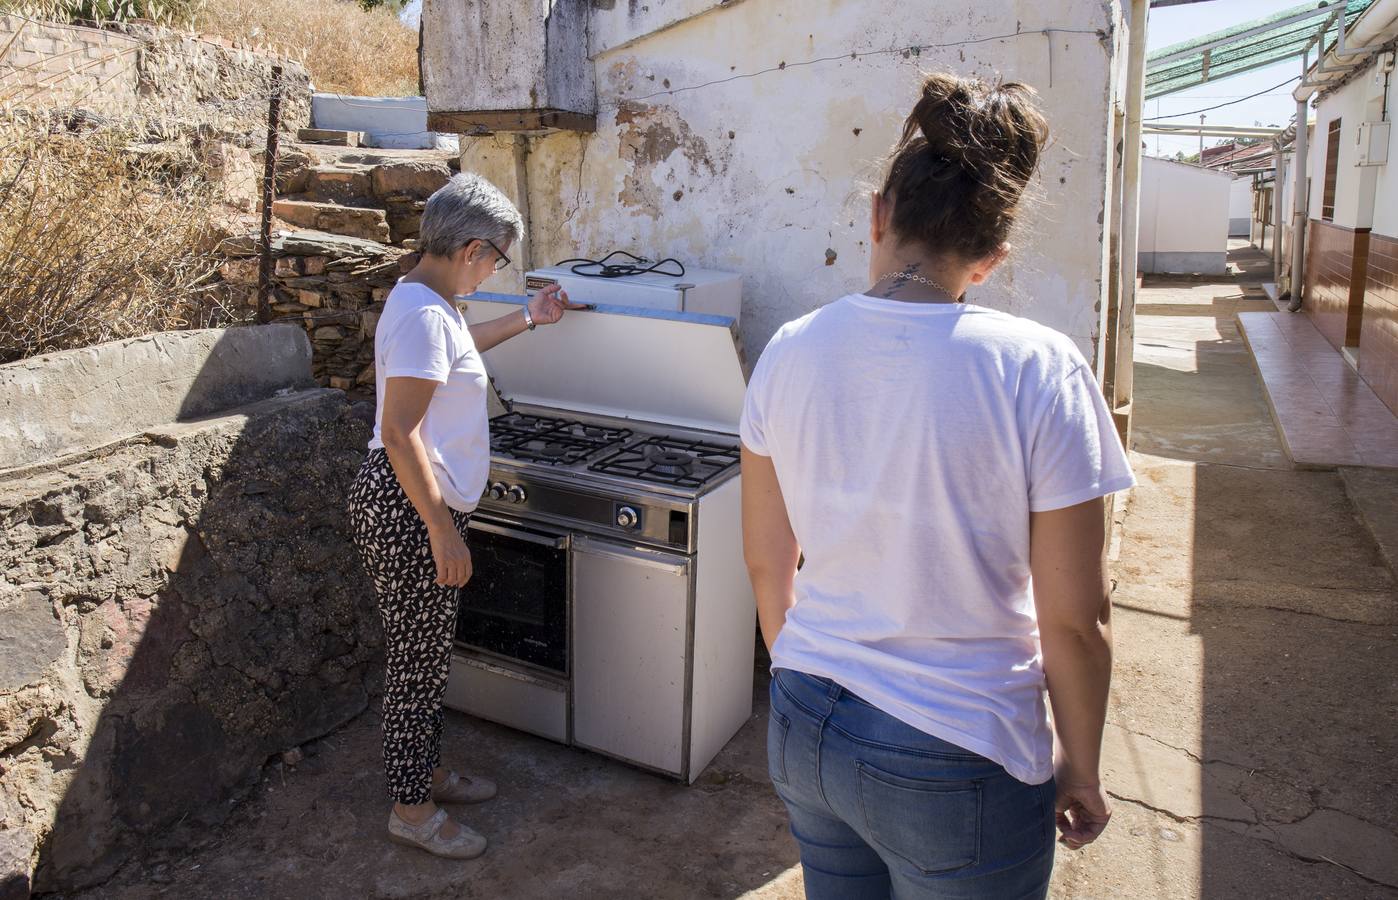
column 1123, row 381
column 1279, row 162
column 1341, row 53
column 1374, row 23
column 1299, row 203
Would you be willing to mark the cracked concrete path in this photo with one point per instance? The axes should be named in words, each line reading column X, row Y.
column 1254, row 718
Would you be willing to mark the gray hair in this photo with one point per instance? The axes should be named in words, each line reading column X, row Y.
column 467, row 208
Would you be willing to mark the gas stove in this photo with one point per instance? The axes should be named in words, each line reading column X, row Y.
column 609, row 607
column 616, row 478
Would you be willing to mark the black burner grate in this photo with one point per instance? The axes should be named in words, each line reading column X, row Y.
column 542, row 439
column 669, row 461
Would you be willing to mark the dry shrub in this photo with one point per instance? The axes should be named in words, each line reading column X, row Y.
column 347, row 49
column 97, row 241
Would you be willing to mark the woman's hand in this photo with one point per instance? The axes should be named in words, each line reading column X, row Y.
column 548, row 306
column 1082, row 811
column 452, row 556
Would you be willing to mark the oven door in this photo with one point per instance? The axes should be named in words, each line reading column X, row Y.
column 515, row 607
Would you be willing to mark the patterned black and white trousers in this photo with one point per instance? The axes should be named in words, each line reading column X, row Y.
column 419, row 621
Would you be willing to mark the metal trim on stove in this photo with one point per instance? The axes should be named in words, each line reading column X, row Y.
column 655, row 559
column 557, row 543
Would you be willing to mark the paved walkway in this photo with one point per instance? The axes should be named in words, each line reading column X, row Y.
column 1254, row 717
column 1253, row 727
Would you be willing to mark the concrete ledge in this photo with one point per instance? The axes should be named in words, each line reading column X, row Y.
column 65, row 402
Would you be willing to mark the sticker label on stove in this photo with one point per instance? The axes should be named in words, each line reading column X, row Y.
column 535, row 283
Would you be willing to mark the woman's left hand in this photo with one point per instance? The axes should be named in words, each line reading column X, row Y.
column 548, row 306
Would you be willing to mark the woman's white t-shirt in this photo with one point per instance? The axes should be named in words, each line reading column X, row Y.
column 911, row 442
column 421, row 335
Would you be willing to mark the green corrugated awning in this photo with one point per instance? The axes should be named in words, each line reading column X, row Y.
column 1242, row 48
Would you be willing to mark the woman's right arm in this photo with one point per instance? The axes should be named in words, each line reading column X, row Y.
column 769, row 544
column 405, row 403
column 1073, row 601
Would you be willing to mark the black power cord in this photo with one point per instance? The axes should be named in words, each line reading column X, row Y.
column 604, row 268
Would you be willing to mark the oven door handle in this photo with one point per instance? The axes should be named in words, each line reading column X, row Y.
column 557, row 542
column 675, row 565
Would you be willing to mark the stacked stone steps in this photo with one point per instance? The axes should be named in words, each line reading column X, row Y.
column 345, row 220
column 376, row 196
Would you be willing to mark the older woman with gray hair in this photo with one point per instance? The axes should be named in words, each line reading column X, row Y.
column 426, row 468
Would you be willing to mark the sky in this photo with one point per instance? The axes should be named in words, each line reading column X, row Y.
column 1173, row 24
column 412, row 12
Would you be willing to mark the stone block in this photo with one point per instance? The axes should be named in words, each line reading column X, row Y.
column 310, row 298
column 330, row 137
column 350, row 187
column 340, row 382
column 369, row 324
column 287, row 265
column 314, row 265
column 365, row 224
column 409, row 178
column 31, row 640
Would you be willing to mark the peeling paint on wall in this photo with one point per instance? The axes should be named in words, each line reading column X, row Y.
column 648, row 137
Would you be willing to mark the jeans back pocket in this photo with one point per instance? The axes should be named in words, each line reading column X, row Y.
column 934, row 825
column 777, row 727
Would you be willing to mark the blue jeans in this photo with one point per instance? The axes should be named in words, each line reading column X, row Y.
column 882, row 809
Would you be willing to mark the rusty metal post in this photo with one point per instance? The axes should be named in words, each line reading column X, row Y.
column 269, row 192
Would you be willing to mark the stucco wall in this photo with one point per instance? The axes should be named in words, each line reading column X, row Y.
column 766, row 168
column 1354, row 103
column 1240, row 206
column 1184, row 217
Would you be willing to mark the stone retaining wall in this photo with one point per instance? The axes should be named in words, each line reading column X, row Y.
column 333, row 286
column 148, row 73
column 173, row 609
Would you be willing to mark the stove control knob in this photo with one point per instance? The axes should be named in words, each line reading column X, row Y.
column 496, row 491
column 517, row 494
column 627, row 517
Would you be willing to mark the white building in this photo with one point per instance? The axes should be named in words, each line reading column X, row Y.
column 1185, row 217
column 747, row 135
column 1350, row 267
column 1240, row 206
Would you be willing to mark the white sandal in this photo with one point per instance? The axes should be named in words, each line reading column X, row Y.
column 428, row 836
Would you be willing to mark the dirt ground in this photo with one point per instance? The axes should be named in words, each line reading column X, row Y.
column 1251, row 740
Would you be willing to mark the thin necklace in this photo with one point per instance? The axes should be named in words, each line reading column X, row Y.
column 908, row 276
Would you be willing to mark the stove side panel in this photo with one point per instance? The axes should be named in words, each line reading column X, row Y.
column 725, row 628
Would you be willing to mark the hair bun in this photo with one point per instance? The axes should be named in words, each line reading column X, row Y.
column 967, row 152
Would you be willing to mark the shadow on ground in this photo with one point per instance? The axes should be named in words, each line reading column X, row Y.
column 566, row 824
column 1254, row 714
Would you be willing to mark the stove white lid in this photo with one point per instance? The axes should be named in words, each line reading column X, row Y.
column 675, row 368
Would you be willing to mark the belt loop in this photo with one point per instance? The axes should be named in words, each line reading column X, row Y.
column 834, row 691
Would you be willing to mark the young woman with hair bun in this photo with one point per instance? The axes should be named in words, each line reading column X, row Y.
column 942, row 469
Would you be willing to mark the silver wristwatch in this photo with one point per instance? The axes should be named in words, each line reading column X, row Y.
column 528, row 319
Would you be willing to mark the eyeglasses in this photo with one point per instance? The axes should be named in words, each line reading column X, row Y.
column 503, row 261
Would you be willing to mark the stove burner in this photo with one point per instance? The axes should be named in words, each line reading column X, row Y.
column 671, row 461
column 558, row 442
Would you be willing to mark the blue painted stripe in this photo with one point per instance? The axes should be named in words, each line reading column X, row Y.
column 610, row 309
